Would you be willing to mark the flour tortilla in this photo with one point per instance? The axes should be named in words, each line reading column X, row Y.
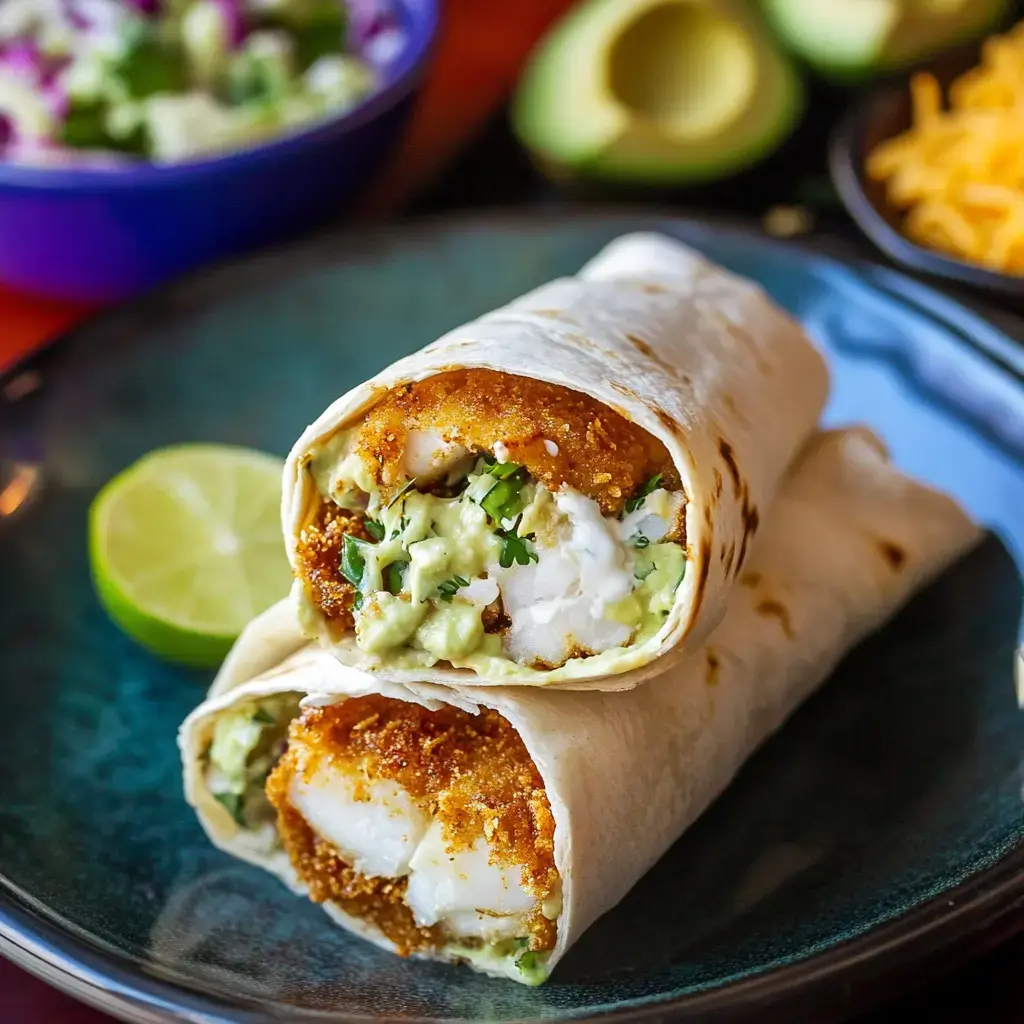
column 701, row 359
column 850, row 539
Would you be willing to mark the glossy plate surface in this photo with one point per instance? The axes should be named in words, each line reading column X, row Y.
column 882, row 824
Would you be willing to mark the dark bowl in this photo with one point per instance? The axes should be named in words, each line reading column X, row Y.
column 101, row 235
column 885, row 113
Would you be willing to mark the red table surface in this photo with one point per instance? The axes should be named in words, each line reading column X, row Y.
column 481, row 48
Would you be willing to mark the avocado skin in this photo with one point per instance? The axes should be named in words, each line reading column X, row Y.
column 778, row 109
column 831, row 66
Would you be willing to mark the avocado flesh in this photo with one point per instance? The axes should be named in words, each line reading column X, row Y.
column 853, row 39
column 659, row 91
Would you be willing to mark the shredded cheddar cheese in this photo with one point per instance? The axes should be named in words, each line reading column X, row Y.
column 958, row 171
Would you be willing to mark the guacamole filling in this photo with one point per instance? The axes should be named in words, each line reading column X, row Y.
column 434, row 827
column 548, row 529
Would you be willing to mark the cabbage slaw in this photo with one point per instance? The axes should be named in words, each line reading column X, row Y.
column 102, row 82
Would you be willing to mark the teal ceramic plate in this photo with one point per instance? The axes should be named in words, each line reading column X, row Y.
column 880, row 831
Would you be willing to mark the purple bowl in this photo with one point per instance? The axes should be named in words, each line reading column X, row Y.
column 101, row 235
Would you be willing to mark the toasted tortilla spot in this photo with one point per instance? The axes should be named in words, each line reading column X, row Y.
column 893, row 554
column 641, row 346
column 731, row 405
column 667, row 421
column 551, row 314
column 713, row 664
column 718, row 483
column 775, row 609
column 728, row 556
column 704, row 556
column 745, row 338
column 751, row 579
column 623, row 390
column 751, row 521
column 653, row 289
column 729, row 457
column 707, row 514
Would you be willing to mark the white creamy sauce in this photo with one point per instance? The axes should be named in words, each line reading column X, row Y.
column 641, row 521
column 381, row 832
column 501, row 452
column 550, row 447
column 560, row 601
column 482, row 592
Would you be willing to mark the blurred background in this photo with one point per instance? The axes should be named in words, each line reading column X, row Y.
column 145, row 139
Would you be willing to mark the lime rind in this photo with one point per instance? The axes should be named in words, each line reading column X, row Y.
column 185, row 548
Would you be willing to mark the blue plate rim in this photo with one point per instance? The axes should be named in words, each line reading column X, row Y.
column 973, row 326
column 956, row 923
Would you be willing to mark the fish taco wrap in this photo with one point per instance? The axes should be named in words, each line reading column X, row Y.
column 493, row 825
column 560, row 491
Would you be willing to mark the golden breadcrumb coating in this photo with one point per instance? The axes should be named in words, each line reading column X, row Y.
column 470, row 772
column 561, row 436
column 319, row 561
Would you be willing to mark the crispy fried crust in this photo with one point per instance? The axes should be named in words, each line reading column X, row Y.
column 471, row 772
column 319, row 561
column 592, row 448
column 378, row 901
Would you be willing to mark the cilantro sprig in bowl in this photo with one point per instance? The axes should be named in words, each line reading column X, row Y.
column 140, row 139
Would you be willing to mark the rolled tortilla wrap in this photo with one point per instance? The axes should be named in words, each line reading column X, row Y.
column 481, row 508
column 563, row 799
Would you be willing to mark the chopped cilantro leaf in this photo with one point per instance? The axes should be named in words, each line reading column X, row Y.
column 357, row 601
column 513, row 547
column 449, row 588
column 150, row 65
column 632, row 504
column 263, row 717
column 502, row 501
column 353, row 562
column 394, row 576
column 406, row 488
column 320, row 32
column 85, row 127
column 527, row 962
column 234, row 803
column 375, row 529
column 503, row 470
column 641, row 572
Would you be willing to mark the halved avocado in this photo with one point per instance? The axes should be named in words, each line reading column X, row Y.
column 656, row 91
column 849, row 40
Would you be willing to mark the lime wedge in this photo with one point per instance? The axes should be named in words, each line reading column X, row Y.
column 186, row 547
